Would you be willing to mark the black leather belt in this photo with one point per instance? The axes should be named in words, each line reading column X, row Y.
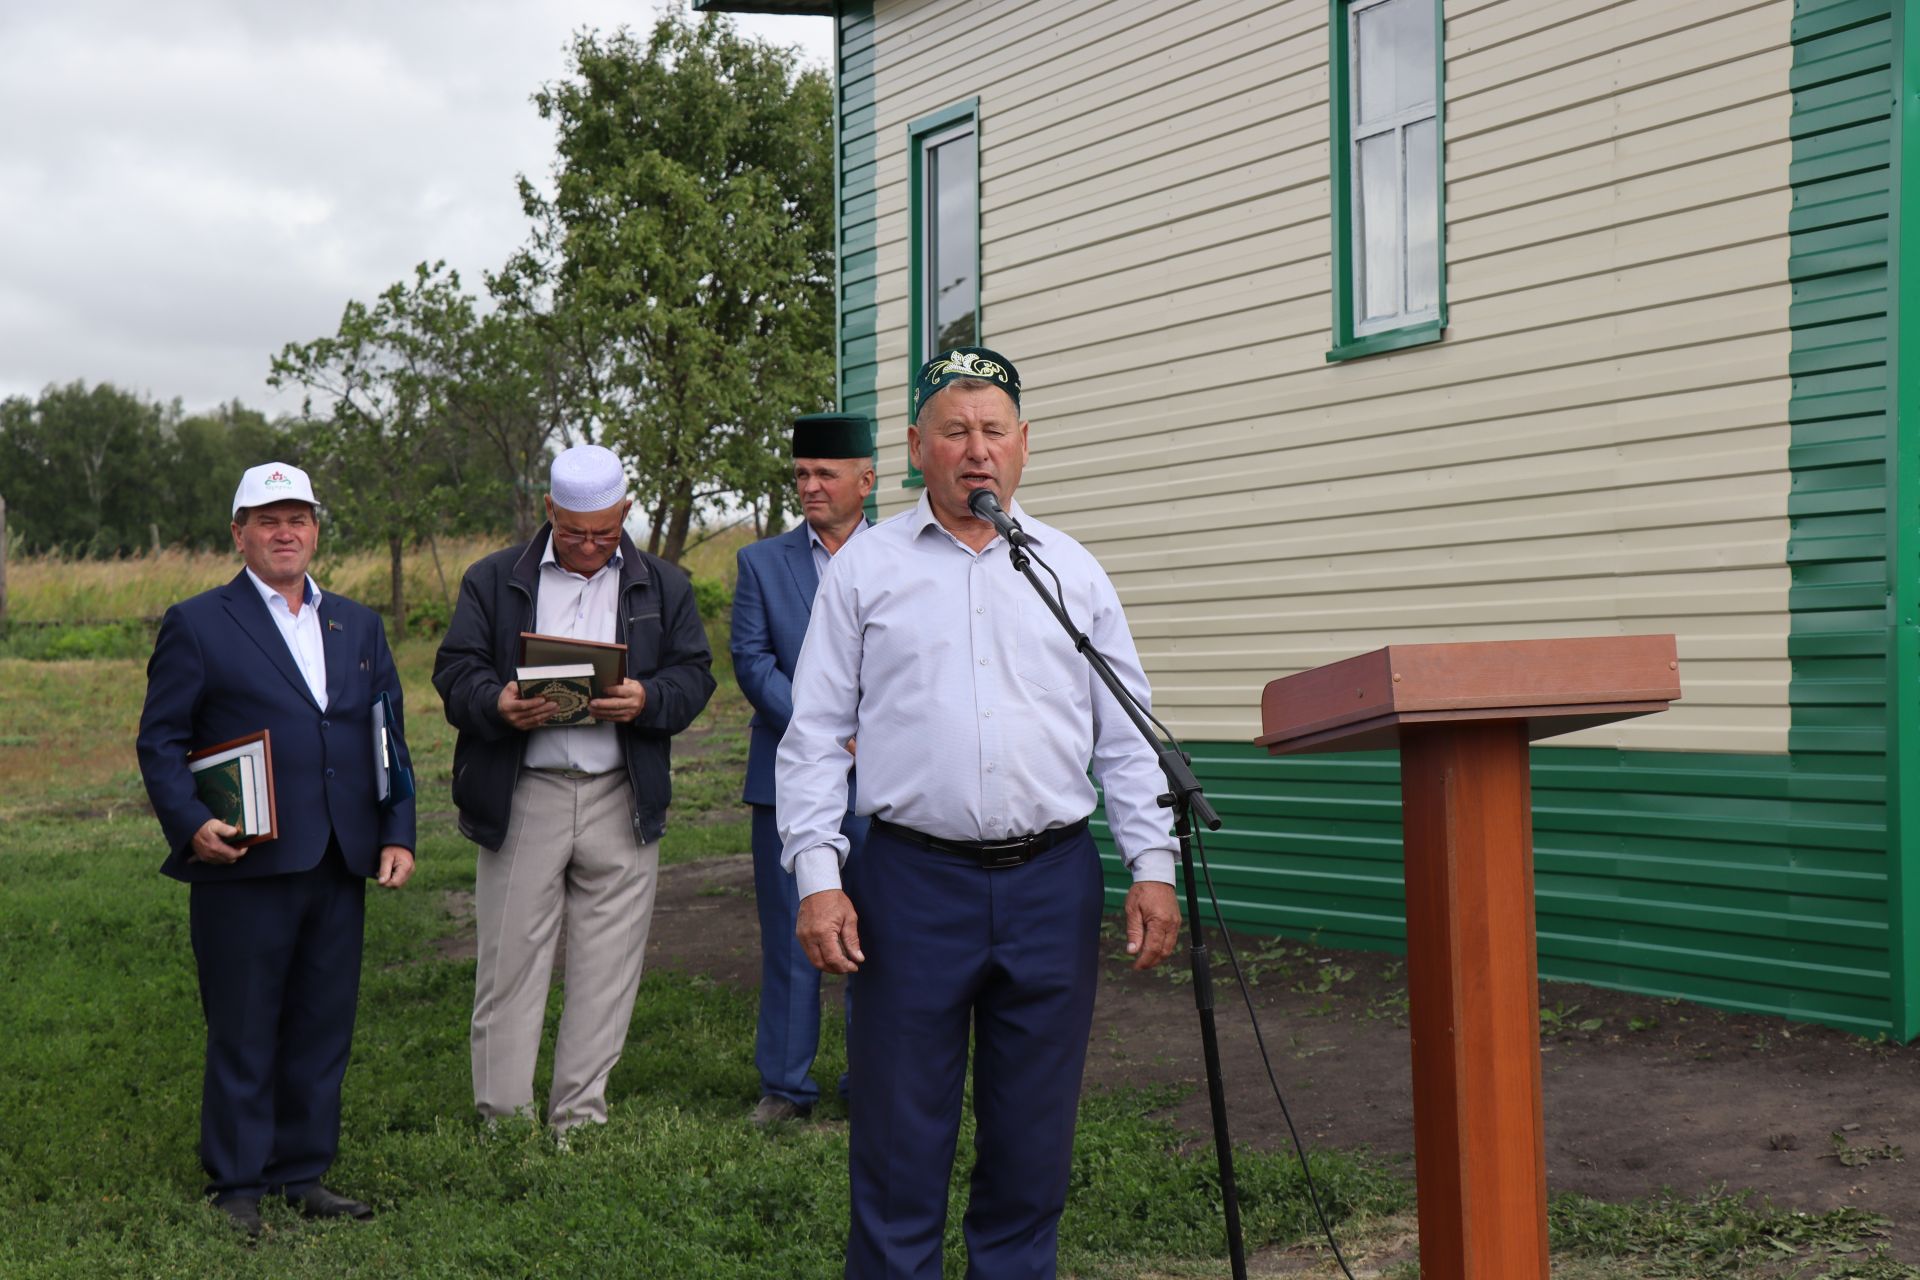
column 990, row 854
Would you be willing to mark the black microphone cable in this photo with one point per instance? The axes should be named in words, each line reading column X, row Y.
column 1233, row 955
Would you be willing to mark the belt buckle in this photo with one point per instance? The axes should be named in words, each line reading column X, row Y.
column 1011, row 854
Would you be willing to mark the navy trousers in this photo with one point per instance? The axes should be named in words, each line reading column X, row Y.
column 279, row 961
column 789, row 1031
column 1013, row 956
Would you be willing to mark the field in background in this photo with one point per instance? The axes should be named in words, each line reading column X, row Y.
column 49, row 589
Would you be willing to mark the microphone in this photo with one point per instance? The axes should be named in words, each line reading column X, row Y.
column 984, row 505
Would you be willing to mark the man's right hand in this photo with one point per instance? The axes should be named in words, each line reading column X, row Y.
column 829, row 932
column 210, row 845
column 523, row 713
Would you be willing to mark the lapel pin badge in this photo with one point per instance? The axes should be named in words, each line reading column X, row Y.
column 334, row 626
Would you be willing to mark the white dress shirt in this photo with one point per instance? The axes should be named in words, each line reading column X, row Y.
column 301, row 632
column 975, row 716
column 581, row 609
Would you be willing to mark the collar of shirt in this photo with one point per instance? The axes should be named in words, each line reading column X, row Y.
column 923, row 519
column 547, row 558
column 814, row 540
column 309, row 596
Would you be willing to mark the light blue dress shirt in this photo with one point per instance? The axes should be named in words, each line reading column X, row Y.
column 976, row 718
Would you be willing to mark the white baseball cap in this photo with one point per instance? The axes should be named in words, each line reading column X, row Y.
column 272, row 482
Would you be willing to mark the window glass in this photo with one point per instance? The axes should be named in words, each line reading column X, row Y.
column 952, row 242
column 1388, row 119
column 1379, row 226
column 1423, row 218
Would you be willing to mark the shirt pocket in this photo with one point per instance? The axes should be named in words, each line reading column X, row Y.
column 1047, row 658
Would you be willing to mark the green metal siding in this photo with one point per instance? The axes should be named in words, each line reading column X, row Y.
column 1744, row 881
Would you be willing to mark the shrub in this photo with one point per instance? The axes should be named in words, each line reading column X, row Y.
column 68, row 641
column 713, row 598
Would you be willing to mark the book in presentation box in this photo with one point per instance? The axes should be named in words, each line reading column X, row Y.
column 568, row 686
column 235, row 781
column 587, row 665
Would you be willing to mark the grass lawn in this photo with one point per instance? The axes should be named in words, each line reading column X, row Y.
column 100, row 1071
column 100, row 1081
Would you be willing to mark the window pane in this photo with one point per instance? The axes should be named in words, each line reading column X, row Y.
column 1378, row 204
column 952, row 251
column 1393, row 58
column 1423, row 223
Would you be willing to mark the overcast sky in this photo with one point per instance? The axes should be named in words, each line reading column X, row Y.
column 187, row 186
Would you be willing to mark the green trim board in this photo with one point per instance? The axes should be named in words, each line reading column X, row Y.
column 1903, row 531
column 1347, row 344
column 1842, row 548
column 856, row 152
column 917, row 134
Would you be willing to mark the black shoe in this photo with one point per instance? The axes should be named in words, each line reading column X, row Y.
column 322, row 1203
column 774, row 1109
column 244, row 1214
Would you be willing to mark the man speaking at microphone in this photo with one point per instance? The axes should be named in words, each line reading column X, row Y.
column 976, row 904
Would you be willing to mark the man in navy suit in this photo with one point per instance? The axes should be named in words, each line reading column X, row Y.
column 276, row 925
column 772, row 599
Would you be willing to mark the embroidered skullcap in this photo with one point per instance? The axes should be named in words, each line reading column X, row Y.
column 587, row 477
column 965, row 362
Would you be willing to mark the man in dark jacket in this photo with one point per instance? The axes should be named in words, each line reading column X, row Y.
column 276, row 924
column 568, row 819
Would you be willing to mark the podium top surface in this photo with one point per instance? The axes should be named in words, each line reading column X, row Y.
column 1556, row 686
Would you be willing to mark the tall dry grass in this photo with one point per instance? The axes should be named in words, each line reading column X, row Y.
column 56, row 588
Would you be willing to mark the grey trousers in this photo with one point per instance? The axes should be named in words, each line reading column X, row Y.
column 570, row 854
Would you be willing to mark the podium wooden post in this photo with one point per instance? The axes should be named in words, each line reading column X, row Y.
column 1462, row 716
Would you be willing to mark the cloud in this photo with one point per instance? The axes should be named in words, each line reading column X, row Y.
column 185, row 188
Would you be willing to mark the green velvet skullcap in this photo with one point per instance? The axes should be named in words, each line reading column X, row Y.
column 965, row 362
column 833, row 435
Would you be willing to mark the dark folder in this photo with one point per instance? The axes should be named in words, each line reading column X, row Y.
column 392, row 769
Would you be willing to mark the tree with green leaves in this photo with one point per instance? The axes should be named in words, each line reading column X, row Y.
column 686, row 247
column 207, row 453
column 382, row 441
column 78, row 467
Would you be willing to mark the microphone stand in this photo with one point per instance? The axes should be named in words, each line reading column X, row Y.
column 1185, row 798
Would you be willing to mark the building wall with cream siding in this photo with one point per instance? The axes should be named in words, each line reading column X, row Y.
column 1659, row 405
column 1598, row 446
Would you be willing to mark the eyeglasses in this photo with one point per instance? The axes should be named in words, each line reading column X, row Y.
column 587, row 537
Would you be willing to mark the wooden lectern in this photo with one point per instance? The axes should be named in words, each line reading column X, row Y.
column 1462, row 716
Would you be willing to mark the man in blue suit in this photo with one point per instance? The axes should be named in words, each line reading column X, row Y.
column 276, row 925
column 772, row 599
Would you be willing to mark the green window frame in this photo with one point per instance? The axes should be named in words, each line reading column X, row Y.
column 1395, row 130
column 927, row 138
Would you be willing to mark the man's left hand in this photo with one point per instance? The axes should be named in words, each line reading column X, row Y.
column 396, row 865
column 1153, row 922
column 623, row 702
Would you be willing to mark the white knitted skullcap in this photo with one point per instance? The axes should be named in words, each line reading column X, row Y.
column 587, row 477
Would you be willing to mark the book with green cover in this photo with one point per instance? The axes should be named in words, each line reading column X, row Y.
column 569, row 686
column 235, row 781
column 223, row 790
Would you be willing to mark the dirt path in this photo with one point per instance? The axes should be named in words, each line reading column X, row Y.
column 1640, row 1094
